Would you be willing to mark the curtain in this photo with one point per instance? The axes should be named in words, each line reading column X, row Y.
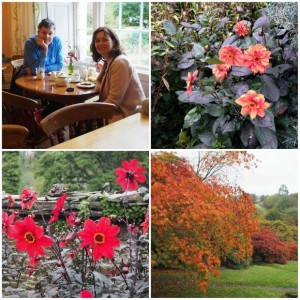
column 23, row 24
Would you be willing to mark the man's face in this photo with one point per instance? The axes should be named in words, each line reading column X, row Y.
column 46, row 34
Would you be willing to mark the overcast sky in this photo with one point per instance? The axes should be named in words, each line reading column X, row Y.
column 277, row 167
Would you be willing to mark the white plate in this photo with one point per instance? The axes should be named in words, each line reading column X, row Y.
column 86, row 85
column 75, row 81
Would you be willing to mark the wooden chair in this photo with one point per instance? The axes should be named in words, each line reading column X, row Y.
column 17, row 66
column 14, row 136
column 19, row 110
column 74, row 115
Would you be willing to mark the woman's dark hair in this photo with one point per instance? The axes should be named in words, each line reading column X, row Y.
column 115, row 51
column 47, row 23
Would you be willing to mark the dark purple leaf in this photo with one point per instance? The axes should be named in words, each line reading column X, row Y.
column 203, row 30
column 218, row 123
column 207, row 138
column 248, row 136
column 188, row 54
column 266, row 121
column 262, row 22
column 270, row 89
column 240, row 71
column 198, row 50
column 196, row 98
column 229, row 127
column 283, row 87
column 240, row 88
column 186, row 24
column 230, row 40
column 276, row 71
column 266, row 137
column 185, row 63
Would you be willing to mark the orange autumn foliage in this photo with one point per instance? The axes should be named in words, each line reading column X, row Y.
column 196, row 224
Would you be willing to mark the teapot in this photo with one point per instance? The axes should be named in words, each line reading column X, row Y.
column 61, row 79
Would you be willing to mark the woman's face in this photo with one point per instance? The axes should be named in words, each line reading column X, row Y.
column 103, row 44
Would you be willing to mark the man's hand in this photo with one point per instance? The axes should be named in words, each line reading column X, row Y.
column 41, row 43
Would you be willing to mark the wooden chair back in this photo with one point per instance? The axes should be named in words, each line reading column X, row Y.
column 14, row 136
column 19, row 110
column 75, row 116
column 17, row 66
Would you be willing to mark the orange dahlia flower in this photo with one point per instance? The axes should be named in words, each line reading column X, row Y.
column 253, row 104
column 241, row 28
column 231, row 55
column 256, row 58
column 220, row 71
column 190, row 81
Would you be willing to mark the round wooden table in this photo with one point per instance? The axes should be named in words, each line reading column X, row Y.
column 48, row 89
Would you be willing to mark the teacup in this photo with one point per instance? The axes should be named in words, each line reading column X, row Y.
column 53, row 76
column 40, row 75
column 75, row 77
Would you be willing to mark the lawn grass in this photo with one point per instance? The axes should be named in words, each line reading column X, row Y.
column 258, row 281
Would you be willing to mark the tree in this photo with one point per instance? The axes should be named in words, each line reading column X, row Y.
column 78, row 170
column 268, row 247
column 197, row 224
column 217, row 164
column 283, row 190
column 11, row 172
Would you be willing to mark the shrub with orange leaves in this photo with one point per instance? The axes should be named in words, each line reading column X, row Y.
column 196, row 224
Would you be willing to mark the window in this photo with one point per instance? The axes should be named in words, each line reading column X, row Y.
column 130, row 20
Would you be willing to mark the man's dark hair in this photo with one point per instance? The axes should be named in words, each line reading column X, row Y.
column 47, row 23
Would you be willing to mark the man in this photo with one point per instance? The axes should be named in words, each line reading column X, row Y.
column 43, row 50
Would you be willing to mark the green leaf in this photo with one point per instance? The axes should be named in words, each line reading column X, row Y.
column 169, row 27
column 193, row 116
column 198, row 50
column 266, row 137
column 170, row 44
column 213, row 61
column 214, row 110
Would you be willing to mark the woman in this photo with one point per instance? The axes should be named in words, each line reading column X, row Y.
column 118, row 81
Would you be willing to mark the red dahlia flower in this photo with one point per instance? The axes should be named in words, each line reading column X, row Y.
column 27, row 198
column 145, row 224
column 7, row 222
column 11, row 200
column 190, row 81
column 220, row 71
column 253, row 104
column 30, row 237
column 130, row 175
column 256, row 58
column 71, row 220
column 100, row 238
column 231, row 55
column 241, row 28
column 58, row 208
column 86, row 294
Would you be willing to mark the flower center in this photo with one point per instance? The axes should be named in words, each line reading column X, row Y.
column 99, row 238
column 252, row 105
column 129, row 175
column 29, row 237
